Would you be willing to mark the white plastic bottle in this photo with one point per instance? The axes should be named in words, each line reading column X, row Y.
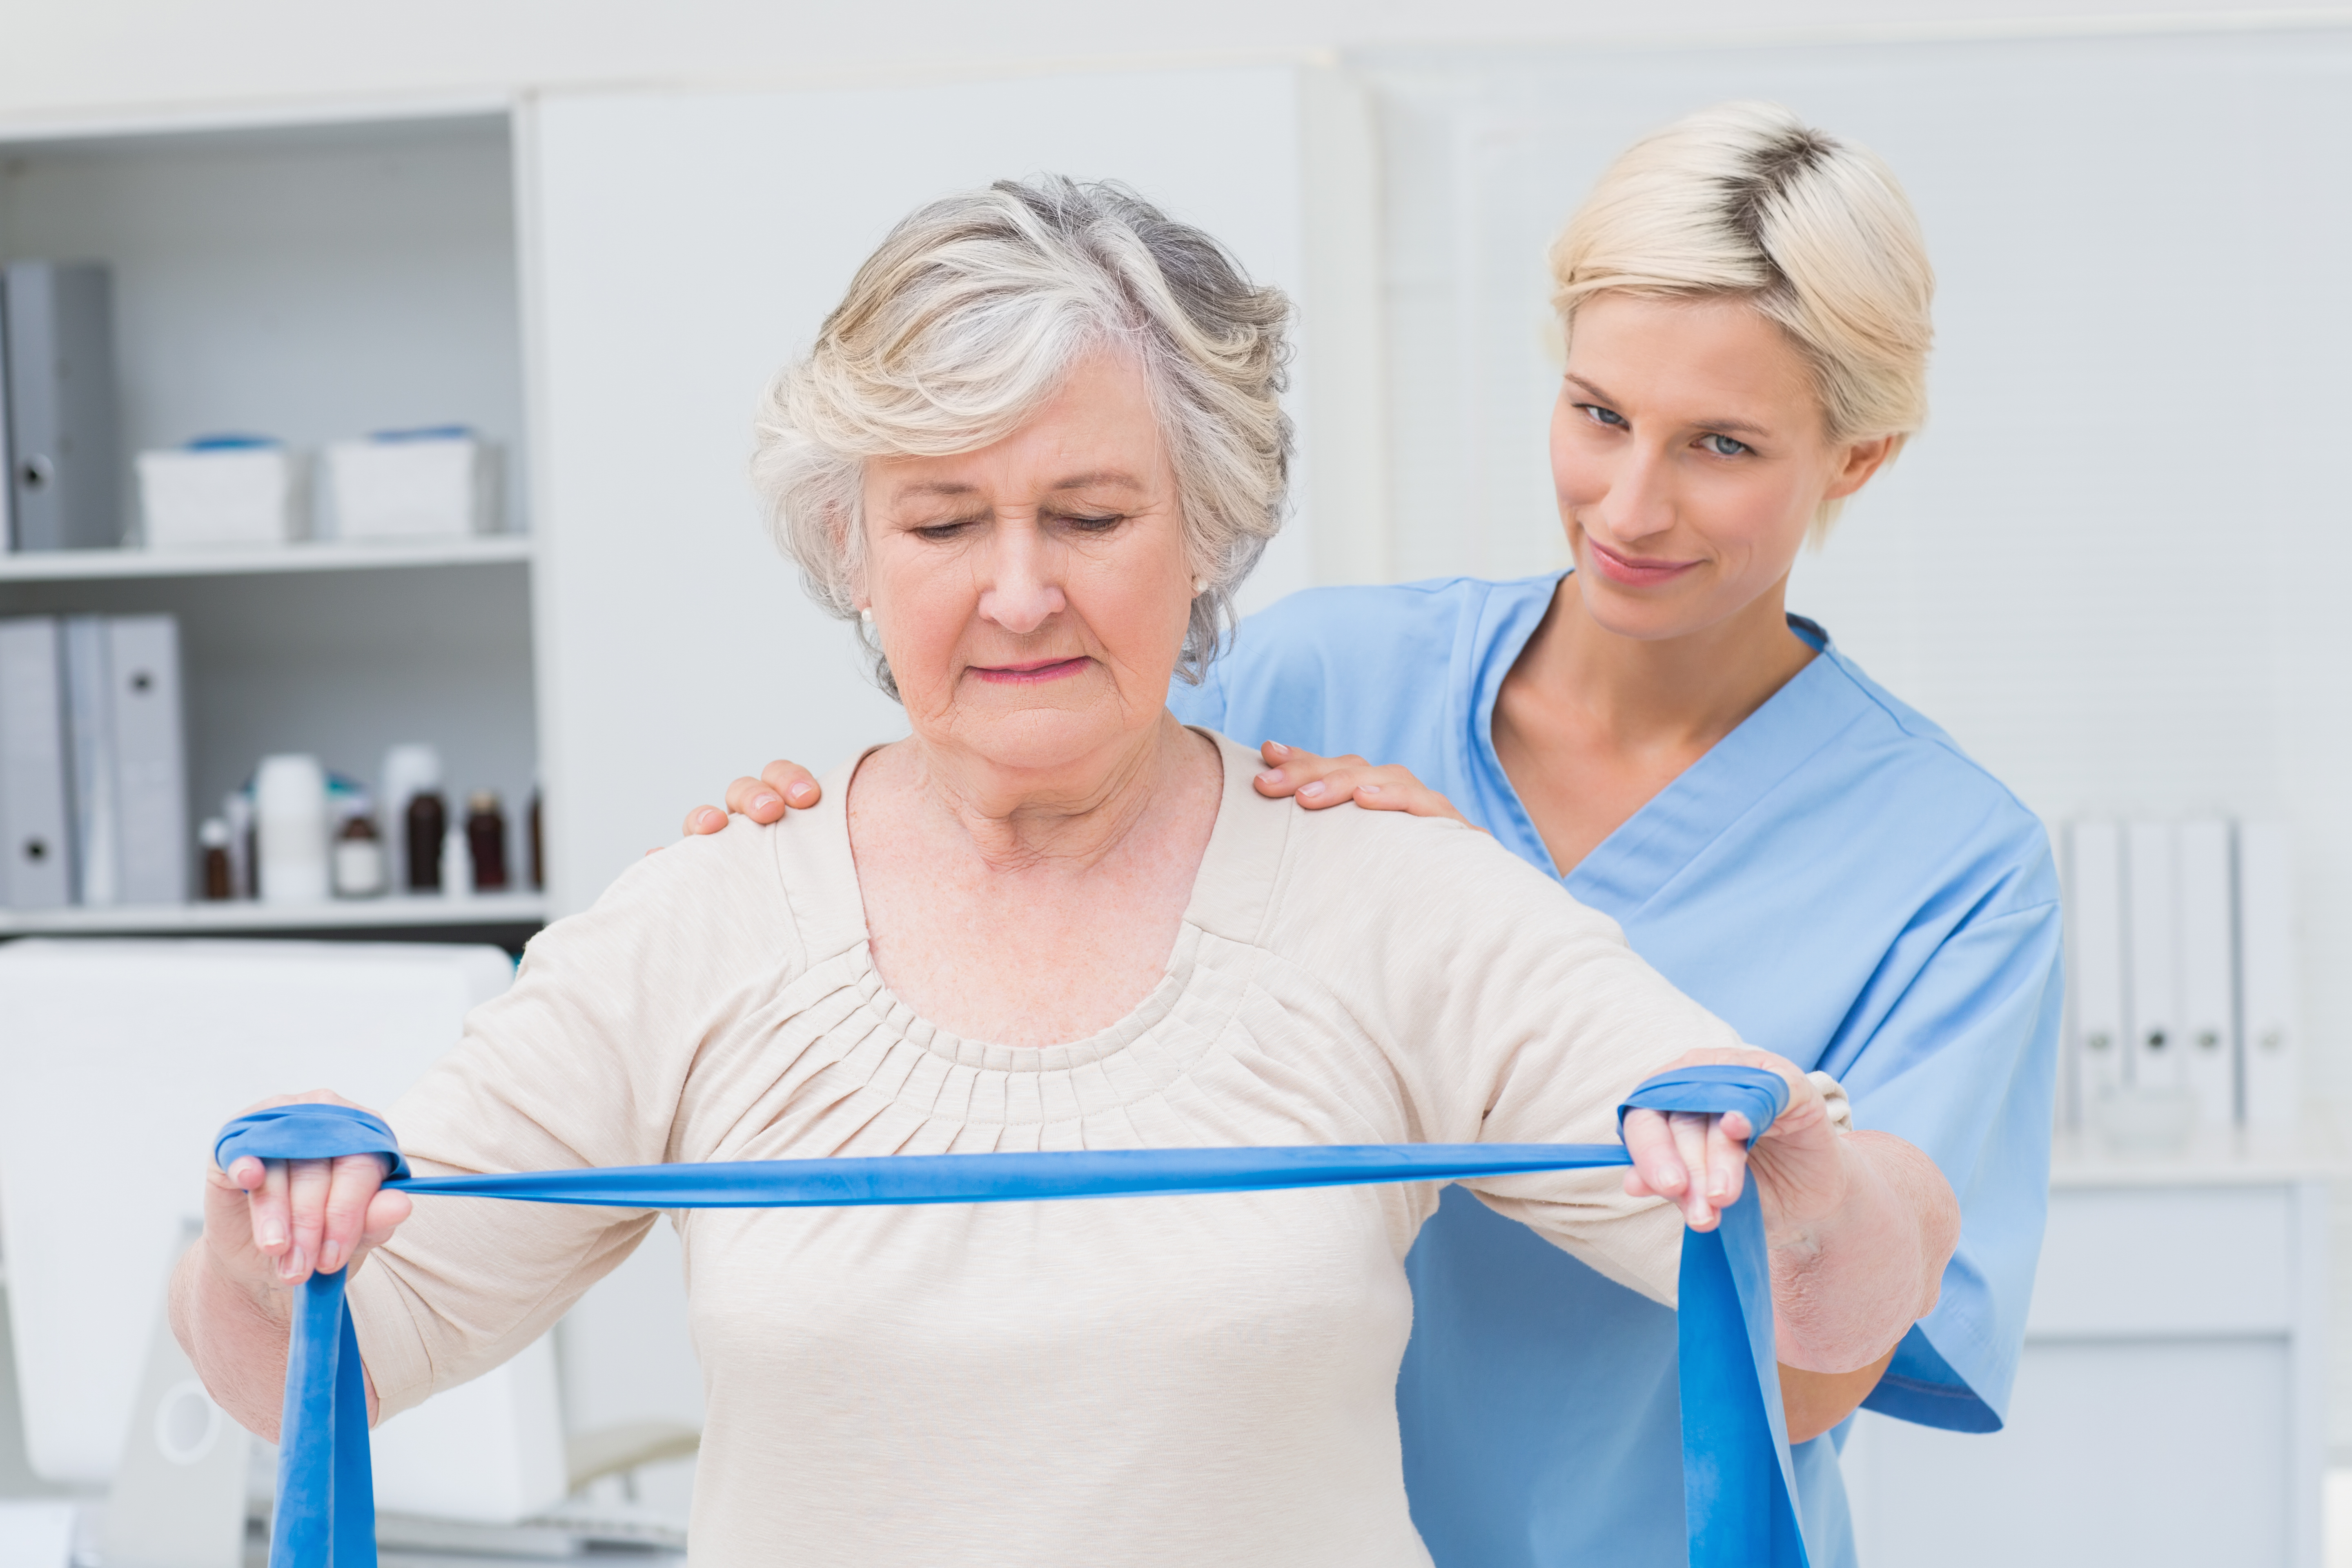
column 289, row 812
column 456, row 864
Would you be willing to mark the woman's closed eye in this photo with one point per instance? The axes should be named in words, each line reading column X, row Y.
column 1089, row 523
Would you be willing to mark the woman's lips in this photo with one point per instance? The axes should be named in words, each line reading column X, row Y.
column 1034, row 673
column 1632, row 572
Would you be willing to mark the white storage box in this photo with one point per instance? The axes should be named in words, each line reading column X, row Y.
column 212, row 493
column 423, row 484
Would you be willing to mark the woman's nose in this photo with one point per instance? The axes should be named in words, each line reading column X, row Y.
column 1640, row 502
column 1023, row 593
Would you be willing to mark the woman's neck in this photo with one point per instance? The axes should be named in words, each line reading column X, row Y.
column 1591, row 725
column 1070, row 815
column 1679, row 693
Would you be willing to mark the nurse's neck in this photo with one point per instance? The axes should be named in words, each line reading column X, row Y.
column 1608, row 704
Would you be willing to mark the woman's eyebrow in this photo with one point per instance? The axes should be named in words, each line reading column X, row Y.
column 1101, row 478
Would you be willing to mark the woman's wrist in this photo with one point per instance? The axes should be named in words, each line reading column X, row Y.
column 1849, row 1282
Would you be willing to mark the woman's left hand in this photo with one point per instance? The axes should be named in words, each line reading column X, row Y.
column 1699, row 1160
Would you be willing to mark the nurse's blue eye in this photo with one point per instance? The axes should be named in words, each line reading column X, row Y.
column 1724, row 445
column 1600, row 415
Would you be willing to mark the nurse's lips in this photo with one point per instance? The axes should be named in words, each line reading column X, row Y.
column 1633, row 571
column 1037, row 672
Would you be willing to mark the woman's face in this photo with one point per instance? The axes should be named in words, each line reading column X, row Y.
column 1688, row 454
column 1033, row 595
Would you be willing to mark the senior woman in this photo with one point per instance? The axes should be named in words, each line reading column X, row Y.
column 1746, row 305
column 1033, row 450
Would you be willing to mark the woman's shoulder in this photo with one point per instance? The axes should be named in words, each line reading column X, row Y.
column 709, row 904
column 1309, row 884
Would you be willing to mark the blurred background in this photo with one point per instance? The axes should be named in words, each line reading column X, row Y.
column 402, row 574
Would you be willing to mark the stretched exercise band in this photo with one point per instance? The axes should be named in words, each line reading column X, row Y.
column 1737, row 1484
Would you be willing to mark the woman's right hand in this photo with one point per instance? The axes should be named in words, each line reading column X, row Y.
column 268, row 1225
column 762, row 799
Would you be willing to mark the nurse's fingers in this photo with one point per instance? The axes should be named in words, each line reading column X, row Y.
column 781, row 783
column 1317, row 782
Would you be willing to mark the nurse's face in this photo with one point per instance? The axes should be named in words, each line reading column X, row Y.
column 1689, row 458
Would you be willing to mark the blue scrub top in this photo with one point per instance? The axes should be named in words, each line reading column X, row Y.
column 1837, row 881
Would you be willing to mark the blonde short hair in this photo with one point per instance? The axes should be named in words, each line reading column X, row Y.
column 970, row 315
column 1744, row 199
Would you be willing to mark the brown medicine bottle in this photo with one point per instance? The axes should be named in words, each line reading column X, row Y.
column 485, row 839
column 428, row 819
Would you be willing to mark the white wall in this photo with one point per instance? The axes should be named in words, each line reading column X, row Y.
column 2113, row 564
column 688, row 244
column 97, row 55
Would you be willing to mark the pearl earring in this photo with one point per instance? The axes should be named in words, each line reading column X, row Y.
column 866, row 613
column 1200, row 587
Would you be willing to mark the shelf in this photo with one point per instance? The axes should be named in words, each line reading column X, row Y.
column 246, row 915
column 326, row 555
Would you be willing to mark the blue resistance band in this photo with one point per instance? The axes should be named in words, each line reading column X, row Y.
column 1738, row 1485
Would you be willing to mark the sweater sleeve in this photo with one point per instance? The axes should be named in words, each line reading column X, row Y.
column 582, row 1062
column 1511, row 1013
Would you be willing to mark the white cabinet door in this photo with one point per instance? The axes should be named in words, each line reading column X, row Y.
column 681, row 248
column 2167, row 1407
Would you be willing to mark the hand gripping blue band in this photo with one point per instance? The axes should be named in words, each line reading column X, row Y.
column 1738, row 1485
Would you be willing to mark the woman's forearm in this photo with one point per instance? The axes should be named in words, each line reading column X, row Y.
column 236, row 1340
column 1847, row 1286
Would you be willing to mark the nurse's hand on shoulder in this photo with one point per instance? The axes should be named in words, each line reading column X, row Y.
column 269, row 1224
column 1700, row 1160
column 763, row 799
column 1317, row 782
column 1313, row 782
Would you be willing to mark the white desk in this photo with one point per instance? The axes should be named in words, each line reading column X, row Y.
column 2169, row 1403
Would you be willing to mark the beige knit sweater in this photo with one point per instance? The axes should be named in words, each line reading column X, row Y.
column 1193, row 1381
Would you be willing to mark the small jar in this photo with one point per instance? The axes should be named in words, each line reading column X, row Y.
column 359, row 859
column 220, row 876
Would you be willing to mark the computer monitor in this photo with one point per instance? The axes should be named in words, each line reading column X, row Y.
column 118, row 1062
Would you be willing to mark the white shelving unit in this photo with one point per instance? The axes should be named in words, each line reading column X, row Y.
column 308, row 282
column 247, row 916
column 324, row 555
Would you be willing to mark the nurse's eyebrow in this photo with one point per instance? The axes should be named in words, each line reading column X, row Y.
column 1725, row 426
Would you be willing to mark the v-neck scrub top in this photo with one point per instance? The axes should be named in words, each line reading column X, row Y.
column 1835, row 879
column 1176, row 1380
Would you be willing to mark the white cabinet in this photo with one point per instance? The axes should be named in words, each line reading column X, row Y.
column 306, row 282
column 682, row 248
column 2168, row 1408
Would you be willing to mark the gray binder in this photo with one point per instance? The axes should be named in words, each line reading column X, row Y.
column 89, row 762
column 64, row 465
column 150, row 759
column 36, row 839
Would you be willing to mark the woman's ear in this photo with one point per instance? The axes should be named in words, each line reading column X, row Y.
column 1862, row 459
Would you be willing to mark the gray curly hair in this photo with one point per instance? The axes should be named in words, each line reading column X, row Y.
column 969, row 318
